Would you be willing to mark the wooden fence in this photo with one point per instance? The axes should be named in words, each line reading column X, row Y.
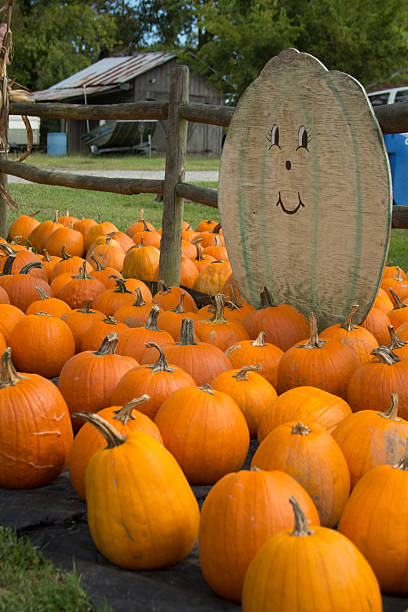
column 178, row 111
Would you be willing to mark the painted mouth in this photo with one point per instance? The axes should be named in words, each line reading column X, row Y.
column 287, row 211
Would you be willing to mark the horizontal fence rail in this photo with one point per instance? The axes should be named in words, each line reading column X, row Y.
column 392, row 118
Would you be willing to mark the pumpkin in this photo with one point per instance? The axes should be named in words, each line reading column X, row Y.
column 136, row 314
column 49, row 261
column 81, row 289
column 140, row 225
column 206, row 225
column 257, row 352
column 105, row 274
column 69, row 263
column 147, row 237
column 374, row 519
column 201, row 360
column 35, row 428
column 18, row 260
column 397, row 345
column 283, row 324
column 4, row 298
column 109, row 254
column 357, row 338
column 88, row 440
column 309, row 454
column 201, row 260
column 60, row 281
column 132, row 340
column 80, row 320
column 134, row 521
column 212, row 278
column 205, row 431
column 41, row 233
column 68, row 238
column 377, row 323
column 83, row 226
column 41, row 344
column 368, row 438
column 158, row 380
column 21, row 287
column 383, row 302
column 373, row 382
column 67, row 220
column 397, row 284
column 125, row 242
column 141, row 262
column 88, row 379
column 250, row 390
column 100, row 229
column 239, row 514
column 9, row 316
column 308, row 404
column 92, row 337
column 110, row 300
column 217, row 250
column 171, row 320
column 23, row 226
column 399, row 314
column 169, row 297
column 50, row 305
column 217, row 330
column 188, row 272
column 274, row 579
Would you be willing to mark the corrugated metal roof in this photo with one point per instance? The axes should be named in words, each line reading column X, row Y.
column 112, row 70
column 48, row 95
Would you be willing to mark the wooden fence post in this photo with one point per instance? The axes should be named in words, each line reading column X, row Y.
column 173, row 204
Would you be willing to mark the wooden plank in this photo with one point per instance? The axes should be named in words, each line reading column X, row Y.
column 57, row 110
column 208, row 113
column 173, row 204
column 202, row 195
column 393, row 118
column 400, row 217
column 80, row 181
column 305, row 190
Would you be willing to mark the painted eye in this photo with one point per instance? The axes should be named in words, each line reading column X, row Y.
column 303, row 138
column 273, row 136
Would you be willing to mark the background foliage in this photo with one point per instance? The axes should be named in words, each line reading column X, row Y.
column 230, row 40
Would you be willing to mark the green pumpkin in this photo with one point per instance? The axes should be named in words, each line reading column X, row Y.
column 305, row 190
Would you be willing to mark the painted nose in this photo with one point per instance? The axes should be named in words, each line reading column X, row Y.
column 288, row 165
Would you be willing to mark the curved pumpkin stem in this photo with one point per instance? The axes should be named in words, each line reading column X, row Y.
column 41, row 293
column 139, row 298
column 46, row 256
column 315, row 341
column 216, row 229
column 348, row 322
column 161, row 364
column 120, row 285
column 86, row 308
column 300, row 429
column 399, row 276
column 392, row 412
column 7, row 249
column 152, row 319
column 398, row 303
column 56, row 216
column 162, row 288
column 260, row 340
column 199, row 250
column 8, row 373
column 266, row 298
column 82, row 273
column 187, row 333
column 109, row 344
column 124, row 414
column 242, row 374
column 111, row 435
column 64, row 253
column 385, row 355
column 396, row 342
column 32, row 264
column 218, row 317
column 301, row 527
column 207, row 389
column 403, row 462
column 98, row 263
column 179, row 309
column 8, row 265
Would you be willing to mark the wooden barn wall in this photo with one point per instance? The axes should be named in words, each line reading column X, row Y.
column 202, row 139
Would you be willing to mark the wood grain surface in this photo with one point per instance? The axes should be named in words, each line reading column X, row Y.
column 305, row 190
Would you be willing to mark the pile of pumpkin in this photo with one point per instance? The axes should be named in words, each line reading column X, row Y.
column 172, row 395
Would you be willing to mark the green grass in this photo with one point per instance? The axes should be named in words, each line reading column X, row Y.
column 398, row 253
column 115, row 162
column 122, row 210
column 30, row 583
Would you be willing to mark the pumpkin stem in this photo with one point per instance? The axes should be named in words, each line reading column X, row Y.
column 34, row 214
column 386, row 355
column 348, row 322
column 179, row 309
column 161, row 364
column 46, row 255
column 403, row 462
column 162, row 288
column 32, row 264
column 6, row 248
column 8, row 373
column 266, row 298
column 86, row 308
column 56, row 216
column 152, row 319
column 120, row 285
column 41, row 293
column 207, row 389
column 315, row 341
column 64, row 253
column 396, row 342
column 98, row 263
column 8, row 265
column 300, row 429
column 242, row 374
column 398, row 303
column 233, row 301
column 42, row 313
column 141, row 215
column 260, row 340
column 139, row 298
column 187, row 333
column 392, row 412
column 82, row 273
column 399, row 276
column 111, row 435
column 199, row 250
column 124, row 414
column 216, row 229
column 301, row 527
column 109, row 344
column 218, row 317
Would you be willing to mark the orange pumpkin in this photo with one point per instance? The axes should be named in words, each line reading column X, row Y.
column 257, row 352
column 81, row 289
column 50, row 305
column 80, row 320
column 217, row 330
column 132, row 341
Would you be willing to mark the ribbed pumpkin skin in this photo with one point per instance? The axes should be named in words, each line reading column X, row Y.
column 239, row 514
column 141, row 263
column 135, row 521
column 93, row 337
column 367, row 439
column 132, row 341
column 329, row 367
column 79, row 321
column 205, row 431
column 374, row 519
column 252, row 393
column 22, row 226
column 88, row 440
column 158, row 385
column 53, row 306
column 377, row 323
column 323, row 571
column 21, row 289
column 9, row 317
column 79, row 292
column 246, row 352
column 283, row 325
column 308, row 404
column 87, row 380
column 41, row 344
column 35, row 433
column 314, row 459
column 359, row 339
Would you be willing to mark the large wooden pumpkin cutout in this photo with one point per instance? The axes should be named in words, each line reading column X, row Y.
column 305, row 190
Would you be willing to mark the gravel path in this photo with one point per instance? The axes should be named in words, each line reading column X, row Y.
column 194, row 176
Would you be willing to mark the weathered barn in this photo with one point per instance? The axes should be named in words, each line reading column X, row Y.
column 137, row 78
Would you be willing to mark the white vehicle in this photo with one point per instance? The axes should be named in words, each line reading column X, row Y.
column 17, row 134
column 388, row 96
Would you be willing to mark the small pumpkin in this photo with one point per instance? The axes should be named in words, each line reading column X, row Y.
column 81, row 289
column 132, row 340
column 80, row 320
column 169, row 297
column 377, row 323
column 51, row 305
column 218, row 330
column 141, row 262
column 136, row 314
column 357, row 338
column 257, row 352
column 69, row 263
column 92, row 338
